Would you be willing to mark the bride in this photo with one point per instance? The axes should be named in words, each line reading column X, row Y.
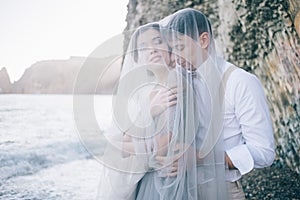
column 144, row 110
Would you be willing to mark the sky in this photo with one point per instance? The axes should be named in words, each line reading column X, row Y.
column 35, row 30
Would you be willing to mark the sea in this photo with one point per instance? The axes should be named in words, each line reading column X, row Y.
column 41, row 153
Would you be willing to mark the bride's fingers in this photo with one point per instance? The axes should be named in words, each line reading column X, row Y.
column 164, row 91
column 171, row 93
column 172, row 97
column 166, row 103
column 173, row 90
column 172, row 103
column 168, row 92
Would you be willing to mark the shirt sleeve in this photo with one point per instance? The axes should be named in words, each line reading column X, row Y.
column 253, row 115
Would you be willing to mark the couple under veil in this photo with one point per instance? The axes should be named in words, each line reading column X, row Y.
column 165, row 141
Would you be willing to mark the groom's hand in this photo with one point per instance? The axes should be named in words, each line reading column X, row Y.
column 229, row 162
column 169, row 163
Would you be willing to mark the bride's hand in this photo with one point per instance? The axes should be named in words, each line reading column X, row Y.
column 161, row 99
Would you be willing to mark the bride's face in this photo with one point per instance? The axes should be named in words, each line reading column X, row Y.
column 152, row 48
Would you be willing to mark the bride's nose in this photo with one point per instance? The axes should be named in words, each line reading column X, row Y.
column 152, row 50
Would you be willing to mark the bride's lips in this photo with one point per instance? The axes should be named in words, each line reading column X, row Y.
column 155, row 58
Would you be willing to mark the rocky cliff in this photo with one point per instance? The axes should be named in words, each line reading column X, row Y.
column 59, row 77
column 48, row 77
column 261, row 36
column 5, row 84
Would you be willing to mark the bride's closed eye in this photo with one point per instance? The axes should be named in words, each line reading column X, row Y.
column 157, row 41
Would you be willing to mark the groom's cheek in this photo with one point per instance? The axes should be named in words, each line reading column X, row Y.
column 172, row 61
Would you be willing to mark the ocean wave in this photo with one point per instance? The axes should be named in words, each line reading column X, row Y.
column 26, row 162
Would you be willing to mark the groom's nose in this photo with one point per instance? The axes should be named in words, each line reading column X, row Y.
column 172, row 61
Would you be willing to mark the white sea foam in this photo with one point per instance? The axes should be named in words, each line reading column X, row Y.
column 41, row 155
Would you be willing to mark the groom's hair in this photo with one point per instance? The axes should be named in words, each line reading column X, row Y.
column 190, row 22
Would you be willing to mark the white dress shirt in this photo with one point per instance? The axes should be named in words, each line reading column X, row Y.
column 248, row 132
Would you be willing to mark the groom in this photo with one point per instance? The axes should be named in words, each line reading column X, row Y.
column 247, row 128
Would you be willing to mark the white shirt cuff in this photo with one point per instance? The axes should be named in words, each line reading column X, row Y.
column 241, row 158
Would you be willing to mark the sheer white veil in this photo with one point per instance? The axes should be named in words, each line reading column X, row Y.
column 177, row 153
column 132, row 139
column 190, row 35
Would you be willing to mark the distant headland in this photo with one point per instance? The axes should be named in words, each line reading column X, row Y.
column 59, row 76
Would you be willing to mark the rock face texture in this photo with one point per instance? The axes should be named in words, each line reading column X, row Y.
column 261, row 36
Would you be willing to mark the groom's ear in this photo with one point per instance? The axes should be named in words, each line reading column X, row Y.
column 204, row 40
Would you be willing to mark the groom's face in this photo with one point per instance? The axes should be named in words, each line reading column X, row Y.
column 187, row 52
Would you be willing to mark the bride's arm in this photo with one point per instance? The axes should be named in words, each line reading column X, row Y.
column 163, row 142
column 160, row 101
column 128, row 146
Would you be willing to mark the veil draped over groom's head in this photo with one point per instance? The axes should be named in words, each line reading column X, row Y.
column 182, row 145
